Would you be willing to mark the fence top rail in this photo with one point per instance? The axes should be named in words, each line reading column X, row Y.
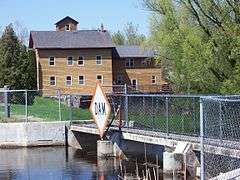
column 4, row 90
column 222, row 98
column 163, row 95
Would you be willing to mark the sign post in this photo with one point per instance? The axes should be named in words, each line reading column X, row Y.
column 100, row 109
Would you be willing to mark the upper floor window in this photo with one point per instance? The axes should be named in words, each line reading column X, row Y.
column 153, row 79
column 70, row 61
column 99, row 78
column 98, row 60
column 69, row 80
column 67, row 27
column 129, row 63
column 81, row 61
column 51, row 61
column 81, row 80
column 119, row 79
column 146, row 62
column 52, row 81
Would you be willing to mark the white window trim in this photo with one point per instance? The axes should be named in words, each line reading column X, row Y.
column 49, row 61
column 136, row 83
column 84, row 80
column 50, row 80
column 97, row 60
column 83, row 61
column 134, row 79
column 99, row 75
column 129, row 60
column 66, row 80
column 66, row 27
column 72, row 61
column 154, row 79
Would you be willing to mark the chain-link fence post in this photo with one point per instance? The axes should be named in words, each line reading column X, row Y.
column 126, row 105
column 70, row 104
column 201, row 140
column 167, row 115
column 26, row 106
column 220, row 121
column 194, row 116
column 6, row 102
column 59, row 105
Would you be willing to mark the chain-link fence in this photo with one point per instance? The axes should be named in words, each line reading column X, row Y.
column 220, row 136
column 1, row 104
column 176, row 114
column 41, row 105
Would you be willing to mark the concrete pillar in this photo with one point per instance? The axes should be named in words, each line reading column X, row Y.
column 107, row 164
column 104, row 148
column 71, row 139
column 171, row 163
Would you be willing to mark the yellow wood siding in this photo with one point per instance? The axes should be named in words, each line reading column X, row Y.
column 60, row 70
column 142, row 73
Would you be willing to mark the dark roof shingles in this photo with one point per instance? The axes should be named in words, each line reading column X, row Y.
column 67, row 40
column 133, row 51
column 66, row 18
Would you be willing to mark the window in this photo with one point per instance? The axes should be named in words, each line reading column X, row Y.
column 70, row 61
column 81, row 61
column 67, row 27
column 129, row 63
column 52, row 81
column 98, row 60
column 154, row 79
column 146, row 62
column 99, row 78
column 120, row 79
column 134, row 83
column 51, row 61
column 69, row 80
column 81, row 80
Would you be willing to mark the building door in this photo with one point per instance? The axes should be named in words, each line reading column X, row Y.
column 134, row 83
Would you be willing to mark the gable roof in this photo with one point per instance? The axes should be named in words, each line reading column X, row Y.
column 127, row 51
column 66, row 18
column 70, row 40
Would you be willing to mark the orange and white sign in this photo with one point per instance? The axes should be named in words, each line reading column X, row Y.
column 100, row 109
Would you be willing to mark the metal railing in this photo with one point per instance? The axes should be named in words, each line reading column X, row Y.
column 220, row 127
column 177, row 114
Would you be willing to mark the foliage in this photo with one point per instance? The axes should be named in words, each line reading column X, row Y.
column 198, row 43
column 129, row 36
column 118, row 38
column 17, row 64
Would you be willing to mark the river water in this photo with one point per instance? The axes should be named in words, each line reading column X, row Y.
column 58, row 163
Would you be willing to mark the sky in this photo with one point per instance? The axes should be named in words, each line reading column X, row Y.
column 43, row 14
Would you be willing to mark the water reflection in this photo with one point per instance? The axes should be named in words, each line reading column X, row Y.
column 58, row 163
column 50, row 164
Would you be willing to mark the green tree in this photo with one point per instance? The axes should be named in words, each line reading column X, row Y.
column 17, row 64
column 118, row 38
column 132, row 35
column 198, row 43
column 129, row 36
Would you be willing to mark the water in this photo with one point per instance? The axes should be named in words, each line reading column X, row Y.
column 57, row 163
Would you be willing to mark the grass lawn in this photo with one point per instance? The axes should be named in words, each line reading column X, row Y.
column 48, row 109
column 176, row 123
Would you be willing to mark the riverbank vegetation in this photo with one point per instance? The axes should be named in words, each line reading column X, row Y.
column 17, row 62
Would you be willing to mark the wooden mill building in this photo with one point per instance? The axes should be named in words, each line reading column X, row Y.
column 73, row 60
